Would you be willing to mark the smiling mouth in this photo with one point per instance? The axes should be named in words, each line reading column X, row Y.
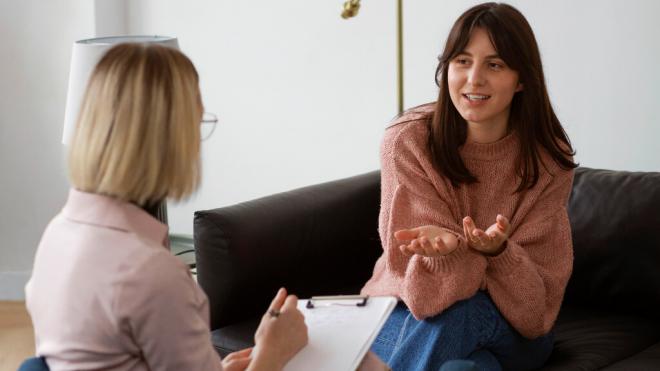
column 476, row 97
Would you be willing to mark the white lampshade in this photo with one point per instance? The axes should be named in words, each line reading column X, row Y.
column 85, row 55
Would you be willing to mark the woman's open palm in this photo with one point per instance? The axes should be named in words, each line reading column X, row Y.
column 490, row 242
column 428, row 240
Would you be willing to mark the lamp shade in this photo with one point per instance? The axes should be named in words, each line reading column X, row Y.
column 85, row 56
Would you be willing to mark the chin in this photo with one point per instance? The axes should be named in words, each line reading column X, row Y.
column 472, row 117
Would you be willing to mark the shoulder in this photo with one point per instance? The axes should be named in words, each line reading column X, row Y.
column 159, row 268
column 550, row 168
column 154, row 275
column 410, row 129
column 555, row 179
column 422, row 112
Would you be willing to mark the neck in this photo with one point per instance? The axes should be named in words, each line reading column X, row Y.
column 488, row 131
column 157, row 209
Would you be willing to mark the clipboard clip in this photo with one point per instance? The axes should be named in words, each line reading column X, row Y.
column 340, row 300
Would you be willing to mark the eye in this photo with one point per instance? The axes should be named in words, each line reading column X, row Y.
column 496, row 66
column 461, row 61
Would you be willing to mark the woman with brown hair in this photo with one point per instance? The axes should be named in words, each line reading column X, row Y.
column 473, row 220
column 105, row 292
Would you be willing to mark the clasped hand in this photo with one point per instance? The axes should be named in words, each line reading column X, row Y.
column 432, row 241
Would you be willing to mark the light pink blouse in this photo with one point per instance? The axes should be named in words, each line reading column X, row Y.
column 106, row 293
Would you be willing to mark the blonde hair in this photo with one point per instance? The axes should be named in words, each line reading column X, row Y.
column 137, row 137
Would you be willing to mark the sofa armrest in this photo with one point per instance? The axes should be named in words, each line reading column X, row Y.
column 318, row 240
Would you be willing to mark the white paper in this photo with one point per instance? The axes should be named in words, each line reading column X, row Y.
column 340, row 335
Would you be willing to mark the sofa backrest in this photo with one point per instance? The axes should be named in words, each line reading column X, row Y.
column 318, row 240
column 323, row 239
column 615, row 221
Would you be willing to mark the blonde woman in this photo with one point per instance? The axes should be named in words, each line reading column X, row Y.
column 105, row 293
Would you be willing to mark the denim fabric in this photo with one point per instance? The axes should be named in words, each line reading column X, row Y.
column 34, row 364
column 471, row 333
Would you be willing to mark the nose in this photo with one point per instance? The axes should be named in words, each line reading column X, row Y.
column 476, row 76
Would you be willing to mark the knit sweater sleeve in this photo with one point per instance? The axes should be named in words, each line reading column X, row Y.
column 527, row 280
column 412, row 198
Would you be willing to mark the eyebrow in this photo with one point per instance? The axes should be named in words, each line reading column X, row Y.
column 492, row 56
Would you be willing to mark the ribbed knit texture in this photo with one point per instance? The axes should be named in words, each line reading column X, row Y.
column 526, row 281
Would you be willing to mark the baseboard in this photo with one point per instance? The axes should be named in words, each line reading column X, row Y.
column 12, row 285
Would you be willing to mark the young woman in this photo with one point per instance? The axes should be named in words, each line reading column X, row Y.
column 473, row 220
column 106, row 293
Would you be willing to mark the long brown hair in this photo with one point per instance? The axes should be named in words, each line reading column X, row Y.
column 531, row 115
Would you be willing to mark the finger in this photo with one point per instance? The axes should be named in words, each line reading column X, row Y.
column 244, row 352
column 425, row 243
column 239, row 354
column 502, row 222
column 236, row 364
column 277, row 302
column 471, row 227
column 418, row 250
column 291, row 303
column 440, row 246
column 415, row 248
column 406, row 234
column 409, row 251
column 466, row 232
column 482, row 236
column 497, row 234
column 427, row 247
column 470, row 223
column 423, row 246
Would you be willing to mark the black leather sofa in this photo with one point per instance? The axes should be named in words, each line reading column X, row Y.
column 323, row 240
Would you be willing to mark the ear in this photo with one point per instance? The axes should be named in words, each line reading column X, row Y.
column 519, row 87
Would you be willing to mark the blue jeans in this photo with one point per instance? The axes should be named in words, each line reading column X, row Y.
column 472, row 334
column 34, row 364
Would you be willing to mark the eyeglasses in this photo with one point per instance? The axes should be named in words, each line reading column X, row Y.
column 207, row 125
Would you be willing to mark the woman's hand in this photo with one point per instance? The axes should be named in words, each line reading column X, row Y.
column 490, row 242
column 281, row 334
column 429, row 241
column 237, row 361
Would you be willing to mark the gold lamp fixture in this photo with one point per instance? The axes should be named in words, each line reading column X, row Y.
column 350, row 10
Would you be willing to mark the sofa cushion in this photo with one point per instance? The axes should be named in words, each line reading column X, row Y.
column 649, row 358
column 234, row 337
column 591, row 340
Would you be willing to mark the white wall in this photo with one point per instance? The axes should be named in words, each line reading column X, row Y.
column 35, row 47
column 303, row 95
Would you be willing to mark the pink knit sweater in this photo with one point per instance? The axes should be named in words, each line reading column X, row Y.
column 526, row 281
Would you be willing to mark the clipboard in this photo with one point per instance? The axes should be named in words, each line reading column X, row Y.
column 341, row 330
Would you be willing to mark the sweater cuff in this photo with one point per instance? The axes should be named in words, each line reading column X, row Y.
column 447, row 262
column 507, row 260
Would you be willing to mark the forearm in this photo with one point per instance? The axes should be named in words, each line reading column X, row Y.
column 527, row 294
column 433, row 284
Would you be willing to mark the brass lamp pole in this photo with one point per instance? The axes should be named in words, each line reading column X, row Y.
column 351, row 8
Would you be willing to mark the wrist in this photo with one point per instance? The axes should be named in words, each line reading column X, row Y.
column 266, row 357
column 498, row 251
